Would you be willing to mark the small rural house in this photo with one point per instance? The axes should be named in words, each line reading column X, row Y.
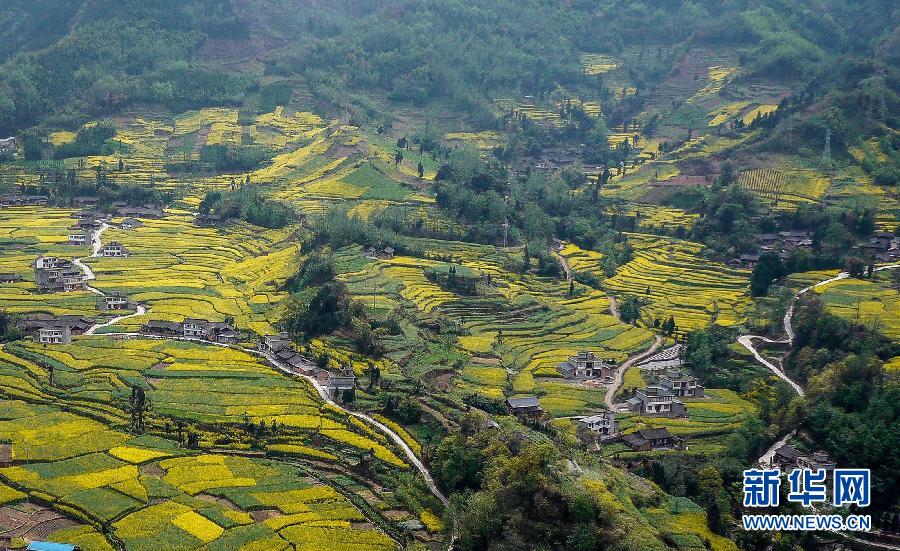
column 586, row 365
column 656, row 401
column 11, row 278
column 274, row 343
column 61, row 334
column 652, row 439
column 786, row 457
column 114, row 300
column 160, row 327
column 680, row 384
column 78, row 237
column 339, row 382
column 525, row 406
column 114, row 249
column 603, row 424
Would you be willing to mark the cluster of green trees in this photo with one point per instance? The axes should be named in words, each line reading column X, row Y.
column 850, row 405
column 221, row 158
column 8, row 330
column 61, row 187
column 509, row 492
column 483, row 195
column 90, row 140
column 94, row 57
column 247, row 203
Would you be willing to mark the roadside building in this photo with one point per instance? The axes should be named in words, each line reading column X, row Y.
column 586, row 365
column 656, row 401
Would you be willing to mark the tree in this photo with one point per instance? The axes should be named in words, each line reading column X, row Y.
column 767, row 269
column 398, row 158
column 137, row 409
column 374, row 373
column 421, row 170
column 668, row 326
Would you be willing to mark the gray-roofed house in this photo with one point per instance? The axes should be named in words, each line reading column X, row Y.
column 656, row 401
column 528, row 406
column 161, row 327
column 603, row 424
column 273, row 343
column 341, row 381
column 652, row 439
column 786, row 457
column 131, row 223
column 114, row 249
column 114, row 300
column 195, row 328
column 78, row 237
column 681, row 384
column 586, row 365
column 11, row 278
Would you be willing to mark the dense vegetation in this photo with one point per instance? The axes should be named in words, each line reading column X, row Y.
column 538, row 203
column 247, row 203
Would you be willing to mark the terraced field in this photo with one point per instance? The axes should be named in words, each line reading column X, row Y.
column 201, row 384
column 676, row 281
column 180, row 271
column 152, row 493
column 80, row 458
column 25, row 234
column 872, row 302
column 785, row 189
column 516, row 329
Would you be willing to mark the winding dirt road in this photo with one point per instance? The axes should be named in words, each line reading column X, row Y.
column 97, row 244
column 620, row 373
column 747, row 342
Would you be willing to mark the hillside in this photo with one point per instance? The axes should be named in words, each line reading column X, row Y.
column 333, row 266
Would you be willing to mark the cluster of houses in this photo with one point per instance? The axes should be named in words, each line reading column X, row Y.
column 602, row 425
column 57, row 275
column 881, row 246
column 784, row 243
column 48, row 329
column 605, row 428
column 195, row 328
column 669, row 384
column 89, row 222
column 278, row 347
column 587, row 366
column 19, row 200
column 386, row 254
column 788, row 457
